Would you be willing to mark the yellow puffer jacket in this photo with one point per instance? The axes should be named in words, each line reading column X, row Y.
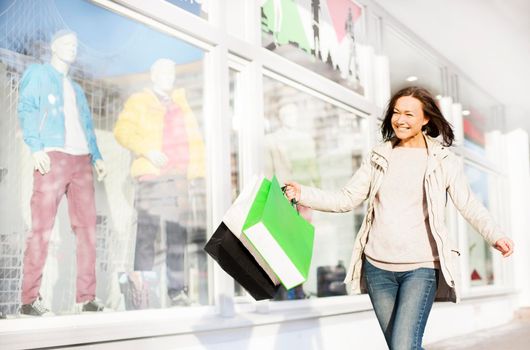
column 140, row 129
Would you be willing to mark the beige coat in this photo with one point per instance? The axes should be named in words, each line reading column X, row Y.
column 444, row 175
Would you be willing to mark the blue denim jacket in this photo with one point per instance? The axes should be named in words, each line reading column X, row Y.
column 40, row 110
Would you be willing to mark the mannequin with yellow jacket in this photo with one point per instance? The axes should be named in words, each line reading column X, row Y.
column 159, row 128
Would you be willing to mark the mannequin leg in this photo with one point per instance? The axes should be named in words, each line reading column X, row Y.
column 144, row 253
column 48, row 191
column 176, row 237
column 82, row 212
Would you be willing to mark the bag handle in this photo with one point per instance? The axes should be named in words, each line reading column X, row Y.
column 293, row 201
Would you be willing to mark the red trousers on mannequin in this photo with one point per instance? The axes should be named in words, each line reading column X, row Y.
column 70, row 175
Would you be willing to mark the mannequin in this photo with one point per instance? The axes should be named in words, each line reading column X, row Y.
column 57, row 127
column 158, row 126
column 353, row 65
column 291, row 152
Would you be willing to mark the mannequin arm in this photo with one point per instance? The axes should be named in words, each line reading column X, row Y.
column 127, row 131
column 101, row 170
column 159, row 159
column 41, row 162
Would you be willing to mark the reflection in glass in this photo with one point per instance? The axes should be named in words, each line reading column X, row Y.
column 480, row 257
column 322, row 35
column 315, row 143
column 481, row 114
column 112, row 65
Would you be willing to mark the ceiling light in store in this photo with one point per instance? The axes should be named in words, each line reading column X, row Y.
column 412, row 78
column 466, row 112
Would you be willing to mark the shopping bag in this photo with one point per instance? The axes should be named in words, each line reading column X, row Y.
column 140, row 289
column 235, row 259
column 236, row 215
column 280, row 235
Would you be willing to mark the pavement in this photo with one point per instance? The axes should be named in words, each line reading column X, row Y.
column 512, row 336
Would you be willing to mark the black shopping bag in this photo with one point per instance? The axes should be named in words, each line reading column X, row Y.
column 234, row 258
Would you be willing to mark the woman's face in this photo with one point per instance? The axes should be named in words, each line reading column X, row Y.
column 408, row 118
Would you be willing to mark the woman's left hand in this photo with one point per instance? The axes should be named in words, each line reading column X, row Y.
column 505, row 246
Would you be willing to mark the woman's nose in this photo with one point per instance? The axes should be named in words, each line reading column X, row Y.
column 400, row 119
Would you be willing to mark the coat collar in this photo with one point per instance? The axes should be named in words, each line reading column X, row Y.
column 435, row 151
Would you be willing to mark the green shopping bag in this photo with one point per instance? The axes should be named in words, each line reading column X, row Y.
column 279, row 234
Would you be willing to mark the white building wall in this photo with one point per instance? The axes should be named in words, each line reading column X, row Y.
column 306, row 328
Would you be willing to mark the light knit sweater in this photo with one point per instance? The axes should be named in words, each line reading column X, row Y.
column 400, row 238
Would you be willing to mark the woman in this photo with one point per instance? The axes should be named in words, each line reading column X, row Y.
column 403, row 255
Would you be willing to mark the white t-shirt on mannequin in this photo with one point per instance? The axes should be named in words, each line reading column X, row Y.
column 75, row 140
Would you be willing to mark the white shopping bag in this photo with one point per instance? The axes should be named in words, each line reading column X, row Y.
column 236, row 216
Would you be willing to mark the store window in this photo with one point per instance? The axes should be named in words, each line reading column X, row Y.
column 197, row 7
column 315, row 143
column 480, row 255
column 409, row 63
column 137, row 95
column 480, row 113
column 322, row 35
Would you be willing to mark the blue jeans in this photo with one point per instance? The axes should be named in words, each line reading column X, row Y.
column 402, row 302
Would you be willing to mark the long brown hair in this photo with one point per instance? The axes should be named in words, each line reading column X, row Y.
column 437, row 123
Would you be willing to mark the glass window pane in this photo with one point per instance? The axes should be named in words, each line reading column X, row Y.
column 197, row 7
column 142, row 110
column 323, row 36
column 315, row 143
column 480, row 115
column 480, row 258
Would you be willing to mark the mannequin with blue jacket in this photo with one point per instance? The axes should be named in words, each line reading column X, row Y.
column 57, row 127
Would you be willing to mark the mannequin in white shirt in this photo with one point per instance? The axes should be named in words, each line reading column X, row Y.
column 63, row 167
column 64, row 53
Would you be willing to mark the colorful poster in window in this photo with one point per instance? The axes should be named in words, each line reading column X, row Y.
column 322, row 35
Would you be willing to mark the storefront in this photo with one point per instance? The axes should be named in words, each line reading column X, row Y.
column 294, row 89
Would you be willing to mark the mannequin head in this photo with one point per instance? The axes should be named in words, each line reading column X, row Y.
column 163, row 75
column 288, row 116
column 64, row 46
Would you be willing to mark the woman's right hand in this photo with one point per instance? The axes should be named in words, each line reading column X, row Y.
column 293, row 190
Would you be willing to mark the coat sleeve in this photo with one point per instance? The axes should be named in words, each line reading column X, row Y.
column 471, row 207
column 343, row 200
column 127, row 129
column 29, row 102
